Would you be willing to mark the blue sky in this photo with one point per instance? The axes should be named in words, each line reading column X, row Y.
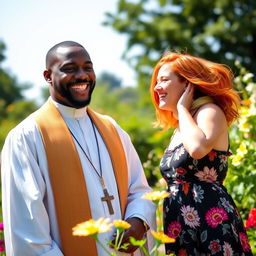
column 30, row 27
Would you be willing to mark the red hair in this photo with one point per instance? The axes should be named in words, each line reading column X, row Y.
column 209, row 79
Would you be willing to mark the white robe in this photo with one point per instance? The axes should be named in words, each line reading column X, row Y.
column 30, row 224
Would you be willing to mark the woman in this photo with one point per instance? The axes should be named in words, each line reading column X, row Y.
column 196, row 96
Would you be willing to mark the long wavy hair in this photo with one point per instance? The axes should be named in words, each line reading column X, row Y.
column 213, row 83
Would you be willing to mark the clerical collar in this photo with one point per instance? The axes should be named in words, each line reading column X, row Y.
column 69, row 111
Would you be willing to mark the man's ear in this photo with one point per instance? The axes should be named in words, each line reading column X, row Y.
column 47, row 76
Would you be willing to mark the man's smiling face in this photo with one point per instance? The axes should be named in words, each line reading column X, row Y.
column 71, row 76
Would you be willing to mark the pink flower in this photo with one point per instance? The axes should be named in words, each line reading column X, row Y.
column 174, row 229
column 1, row 248
column 216, row 216
column 251, row 221
column 1, row 226
column 215, row 246
column 207, row 174
column 244, row 242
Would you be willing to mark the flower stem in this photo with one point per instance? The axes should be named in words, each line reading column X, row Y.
column 154, row 250
column 120, row 240
column 102, row 246
column 117, row 238
column 145, row 251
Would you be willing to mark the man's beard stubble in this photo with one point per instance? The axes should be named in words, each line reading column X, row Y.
column 77, row 103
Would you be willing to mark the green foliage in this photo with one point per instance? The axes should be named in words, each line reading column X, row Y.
column 252, row 238
column 241, row 178
column 12, row 106
column 10, row 89
column 222, row 30
column 14, row 113
column 110, row 79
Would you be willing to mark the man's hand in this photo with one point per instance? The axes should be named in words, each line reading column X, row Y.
column 137, row 230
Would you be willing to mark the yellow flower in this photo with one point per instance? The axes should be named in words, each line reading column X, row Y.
column 242, row 150
column 236, row 159
column 246, row 102
column 244, row 111
column 121, row 224
column 161, row 237
column 92, row 227
column 244, row 126
column 156, row 195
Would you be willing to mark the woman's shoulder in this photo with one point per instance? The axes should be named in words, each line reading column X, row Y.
column 210, row 110
column 211, row 116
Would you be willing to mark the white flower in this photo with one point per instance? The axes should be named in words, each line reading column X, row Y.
column 247, row 77
column 190, row 216
column 227, row 249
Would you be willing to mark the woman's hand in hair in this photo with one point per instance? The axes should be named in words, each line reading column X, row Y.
column 186, row 98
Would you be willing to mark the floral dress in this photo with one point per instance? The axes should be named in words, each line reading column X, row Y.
column 199, row 213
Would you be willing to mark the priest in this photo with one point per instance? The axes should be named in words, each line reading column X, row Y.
column 65, row 164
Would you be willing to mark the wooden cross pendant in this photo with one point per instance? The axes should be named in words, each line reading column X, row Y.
column 108, row 199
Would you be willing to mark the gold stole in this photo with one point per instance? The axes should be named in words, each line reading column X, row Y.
column 66, row 174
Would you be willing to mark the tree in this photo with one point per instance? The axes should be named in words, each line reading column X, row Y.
column 112, row 80
column 9, row 88
column 13, row 107
column 221, row 30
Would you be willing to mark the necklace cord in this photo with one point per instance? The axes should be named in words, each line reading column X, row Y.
column 98, row 148
column 88, row 158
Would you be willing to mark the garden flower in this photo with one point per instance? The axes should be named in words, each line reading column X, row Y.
column 244, row 126
column 92, row 227
column 242, row 149
column 244, row 241
column 1, row 248
column 246, row 102
column 244, row 112
column 162, row 238
column 247, row 77
column 251, row 221
column 121, row 224
column 155, row 195
column 236, row 159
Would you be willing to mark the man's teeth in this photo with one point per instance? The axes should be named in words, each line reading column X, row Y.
column 80, row 86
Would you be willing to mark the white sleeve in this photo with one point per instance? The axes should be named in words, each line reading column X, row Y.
column 26, row 222
column 138, row 185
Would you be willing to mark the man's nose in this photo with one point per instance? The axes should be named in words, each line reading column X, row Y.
column 82, row 74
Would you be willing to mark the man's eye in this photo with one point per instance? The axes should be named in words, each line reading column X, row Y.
column 88, row 68
column 68, row 69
